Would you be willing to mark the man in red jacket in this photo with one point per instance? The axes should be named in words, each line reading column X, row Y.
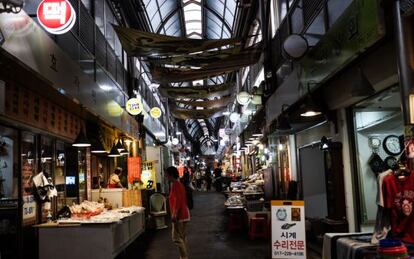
column 180, row 213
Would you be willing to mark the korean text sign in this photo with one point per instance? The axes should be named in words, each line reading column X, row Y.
column 56, row 16
column 134, row 169
column 148, row 175
column 288, row 229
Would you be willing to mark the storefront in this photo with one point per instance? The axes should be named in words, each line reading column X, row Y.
column 380, row 137
column 41, row 115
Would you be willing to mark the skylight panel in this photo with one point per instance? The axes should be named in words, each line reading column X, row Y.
column 192, row 18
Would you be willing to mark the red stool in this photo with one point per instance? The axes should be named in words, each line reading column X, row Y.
column 235, row 222
column 258, row 228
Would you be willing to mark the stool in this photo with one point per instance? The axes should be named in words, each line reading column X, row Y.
column 235, row 222
column 258, row 228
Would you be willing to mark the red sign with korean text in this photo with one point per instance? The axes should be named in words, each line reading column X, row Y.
column 134, row 169
column 56, row 16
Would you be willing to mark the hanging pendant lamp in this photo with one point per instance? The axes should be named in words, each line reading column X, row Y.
column 97, row 147
column 114, row 152
column 124, row 152
column 119, row 145
column 81, row 140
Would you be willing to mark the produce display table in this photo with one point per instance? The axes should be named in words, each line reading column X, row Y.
column 89, row 240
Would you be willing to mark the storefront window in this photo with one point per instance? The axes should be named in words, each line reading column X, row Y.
column 100, row 171
column 46, row 155
column 46, row 166
column 8, row 160
column 28, row 149
column 377, row 121
column 82, row 173
column 60, row 174
column 9, row 214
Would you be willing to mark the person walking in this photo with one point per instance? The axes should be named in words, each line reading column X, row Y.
column 218, row 178
column 188, row 188
column 198, row 179
column 208, row 179
column 180, row 214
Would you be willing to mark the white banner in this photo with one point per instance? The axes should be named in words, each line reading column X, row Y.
column 288, row 230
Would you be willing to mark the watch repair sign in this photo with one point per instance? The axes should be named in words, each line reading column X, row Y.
column 288, row 229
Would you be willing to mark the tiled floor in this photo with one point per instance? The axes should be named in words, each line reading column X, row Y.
column 207, row 236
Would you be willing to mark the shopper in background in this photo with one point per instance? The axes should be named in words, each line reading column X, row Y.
column 198, row 179
column 208, row 179
column 114, row 181
column 188, row 187
column 180, row 213
column 218, row 180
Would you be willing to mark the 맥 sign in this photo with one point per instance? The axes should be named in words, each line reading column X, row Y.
column 56, row 16
column 288, row 230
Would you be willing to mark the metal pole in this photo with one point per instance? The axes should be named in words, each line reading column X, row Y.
column 403, row 58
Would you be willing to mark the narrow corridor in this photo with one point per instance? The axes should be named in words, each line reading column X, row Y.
column 207, row 235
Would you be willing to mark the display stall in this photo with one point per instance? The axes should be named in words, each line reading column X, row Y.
column 91, row 232
column 245, row 203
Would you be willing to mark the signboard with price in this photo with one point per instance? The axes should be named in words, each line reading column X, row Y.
column 288, row 229
column 148, row 175
column 29, row 210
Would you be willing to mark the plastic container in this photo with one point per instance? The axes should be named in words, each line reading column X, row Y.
column 392, row 249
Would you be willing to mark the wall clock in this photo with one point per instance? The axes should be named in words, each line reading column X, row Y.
column 374, row 143
column 391, row 162
column 392, row 145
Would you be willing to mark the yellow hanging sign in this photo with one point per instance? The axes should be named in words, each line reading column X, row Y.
column 134, row 106
column 155, row 112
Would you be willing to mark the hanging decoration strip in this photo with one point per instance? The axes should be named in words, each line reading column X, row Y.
column 139, row 43
column 186, row 114
column 216, row 103
column 197, row 92
column 226, row 65
column 200, row 59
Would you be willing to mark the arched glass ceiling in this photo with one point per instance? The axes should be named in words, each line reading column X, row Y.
column 192, row 18
column 157, row 13
column 210, row 19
